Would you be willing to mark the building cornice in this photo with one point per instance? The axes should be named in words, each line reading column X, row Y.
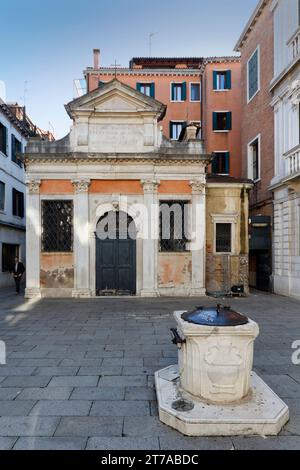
column 250, row 24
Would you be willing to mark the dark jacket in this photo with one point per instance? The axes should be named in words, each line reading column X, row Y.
column 20, row 269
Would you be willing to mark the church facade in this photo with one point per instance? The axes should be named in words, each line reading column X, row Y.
column 116, row 208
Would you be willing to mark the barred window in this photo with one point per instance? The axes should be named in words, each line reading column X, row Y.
column 57, row 226
column 223, row 238
column 173, row 226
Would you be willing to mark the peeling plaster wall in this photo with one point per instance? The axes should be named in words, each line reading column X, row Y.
column 174, row 270
column 57, row 270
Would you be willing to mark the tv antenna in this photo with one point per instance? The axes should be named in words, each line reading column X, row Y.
column 151, row 35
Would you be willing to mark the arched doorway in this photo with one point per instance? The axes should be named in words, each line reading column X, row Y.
column 116, row 254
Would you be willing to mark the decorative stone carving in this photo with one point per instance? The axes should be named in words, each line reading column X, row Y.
column 150, row 186
column 215, row 362
column 33, row 186
column 81, row 186
column 116, row 205
column 198, row 186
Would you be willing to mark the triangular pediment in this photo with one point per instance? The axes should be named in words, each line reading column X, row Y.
column 115, row 97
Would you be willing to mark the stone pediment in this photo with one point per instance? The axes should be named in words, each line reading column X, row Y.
column 115, row 97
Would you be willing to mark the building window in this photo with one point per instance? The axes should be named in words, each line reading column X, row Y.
column 173, row 216
column 57, row 226
column 176, row 129
column 16, row 147
column 178, row 91
column 195, row 92
column 2, row 196
column 147, row 89
column 254, row 159
column 221, row 163
column 17, row 203
column 253, row 75
column 223, row 238
column 222, row 80
column 222, row 121
column 3, row 139
column 9, row 252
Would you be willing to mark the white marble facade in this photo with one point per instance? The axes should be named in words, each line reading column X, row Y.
column 285, row 184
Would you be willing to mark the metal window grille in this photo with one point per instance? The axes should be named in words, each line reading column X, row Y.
column 173, row 226
column 223, row 238
column 57, row 226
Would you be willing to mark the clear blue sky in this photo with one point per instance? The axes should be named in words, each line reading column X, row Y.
column 49, row 43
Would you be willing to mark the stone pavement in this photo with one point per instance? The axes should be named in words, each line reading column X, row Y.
column 79, row 373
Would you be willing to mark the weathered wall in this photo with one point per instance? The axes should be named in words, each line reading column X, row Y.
column 174, row 270
column 57, row 270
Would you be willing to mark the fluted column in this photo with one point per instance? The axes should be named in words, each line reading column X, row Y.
column 81, row 239
column 150, row 238
column 33, row 238
column 198, row 243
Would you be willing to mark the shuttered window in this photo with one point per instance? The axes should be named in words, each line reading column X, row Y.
column 147, row 89
column 16, row 148
column 253, row 75
column 222, row 80
column 3, row 139
column 2, row 196
column 221, row 163
column 222, row 121
column 178, row 91
column 176, row 129
column 17, row 203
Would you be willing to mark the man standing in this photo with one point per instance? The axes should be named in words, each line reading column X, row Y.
column 17, row 272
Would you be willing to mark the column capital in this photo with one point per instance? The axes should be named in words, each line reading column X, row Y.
column 198, row 186
column 150, row 186
column 81, row 185
column 33, row 186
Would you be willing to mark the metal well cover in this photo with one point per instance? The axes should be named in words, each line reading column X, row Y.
column 215, row 316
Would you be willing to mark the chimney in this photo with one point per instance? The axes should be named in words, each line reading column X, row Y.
column 96, row 58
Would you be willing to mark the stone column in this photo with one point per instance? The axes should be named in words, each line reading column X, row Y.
column 198, row 243
column 33, row 239
column 150, row 238
column 81, row 239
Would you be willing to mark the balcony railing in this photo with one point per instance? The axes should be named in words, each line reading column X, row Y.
column 294, row 45
column 292, row 161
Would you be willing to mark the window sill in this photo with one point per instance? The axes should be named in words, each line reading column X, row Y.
column 225, row 89
column 3, row 154
column 249, row 100
column 177, row 101
column 224, row 253
column 195, row 101
column 225, row 131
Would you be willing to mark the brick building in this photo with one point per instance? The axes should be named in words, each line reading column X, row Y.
column 257, row 135
column 203, row 91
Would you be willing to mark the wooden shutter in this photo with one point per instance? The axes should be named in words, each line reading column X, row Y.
column 215, row 81
column 228, row 80
column 21, row 204
column 138, row 86
column 183, row 93
column 13, row 148
column 14, row 201
column 172, row 91
column 215, row 123
column 227, row 162
column 171, row 129
column 214, row 164
column 228, row 121
column 152, row 90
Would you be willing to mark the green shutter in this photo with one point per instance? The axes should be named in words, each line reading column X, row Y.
column 214, row 164
column 171, row 129
column 138, row 86
column 184, row 91
column 21, row 206
column 152, row 90
column 215, row 123
column 14, row 201
column 228, row 80
column 215, row 76
column 227, row 163
column 172, row 92
column 13, row 148
column 228, row 121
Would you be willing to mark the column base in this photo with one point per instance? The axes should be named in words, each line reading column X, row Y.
column 198, row 292
column 149, row 293
column 32, row 293
column 81, row 293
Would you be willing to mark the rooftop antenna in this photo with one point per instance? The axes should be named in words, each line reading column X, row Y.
column 25, row 93
column 115, row 65
column 150, row 43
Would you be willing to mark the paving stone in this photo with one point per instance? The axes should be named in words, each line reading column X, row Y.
column 15, row 407
column 56, row 371
column 26, row 381
column 98, row 393
column 107, row 370
column 270, row 443
column 283, row 385
column 74, row 381
column 6, row 443
column 146, row 426
column 50, row 443
column 89, row 426
column 62, row 408
column 9, row 393
column 10, row 371
column 122, row 443
column 120, row 408
column 195, row 443
column 81, row 362
column 123, row 381
column 46, row 393
column 27, row 426
column 140, row 393
column 32, row 362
